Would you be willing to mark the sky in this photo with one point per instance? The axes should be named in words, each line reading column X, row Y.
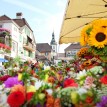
column 43, row 16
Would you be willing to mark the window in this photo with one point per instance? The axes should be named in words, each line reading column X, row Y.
column 1, row 26
column 20, row 38
column 24, row 41
column 53, row 47
column 68, row 54
column 73, row 52
column 30, row 54
column 46, row 54
column 7, row 41
column 24, row 52
column 53, row 50
column 14, row 46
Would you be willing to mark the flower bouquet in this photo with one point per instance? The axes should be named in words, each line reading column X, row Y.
column 81, row 82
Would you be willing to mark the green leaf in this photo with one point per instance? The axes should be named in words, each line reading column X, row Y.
column 89, row 30
column 83, row 97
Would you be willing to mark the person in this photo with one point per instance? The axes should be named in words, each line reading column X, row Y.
column 1, row 70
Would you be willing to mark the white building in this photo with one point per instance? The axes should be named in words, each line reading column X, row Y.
column 23, row 41
column 72, row 50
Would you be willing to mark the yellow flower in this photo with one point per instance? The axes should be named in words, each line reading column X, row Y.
column 31, row 88
column 98, row 37
column 19, row 76
column 100, row 23
column 82, row 52
column 46, row 77
column 85, row 34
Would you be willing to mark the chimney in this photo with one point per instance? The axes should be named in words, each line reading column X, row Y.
column 19, row 15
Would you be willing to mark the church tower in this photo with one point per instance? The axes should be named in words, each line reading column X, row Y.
column 53, row 43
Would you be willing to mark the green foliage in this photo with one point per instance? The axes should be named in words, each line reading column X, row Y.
column 102, row 91
column 65, row 96
column 83, row 97
column 17, row 60
column 89, row 30
column 25, row 76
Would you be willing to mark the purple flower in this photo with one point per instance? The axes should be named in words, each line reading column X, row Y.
column 100, row 105
column 39, row 105
column 10, row 82
column 103, row 102
column 59, row 72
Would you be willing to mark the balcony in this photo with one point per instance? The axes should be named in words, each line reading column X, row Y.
column 5, row 37
column 29, row 46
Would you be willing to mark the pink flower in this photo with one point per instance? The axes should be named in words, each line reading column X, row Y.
column 3, row 29
column 89, row 82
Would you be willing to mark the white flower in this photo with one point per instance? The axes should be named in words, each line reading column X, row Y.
column 81, row 74
column 3, row 100
column 16, row 69
column 49, row 91
column 96, row 70
column 46, row 67
column 38, row 84
column 82, row 91
column 2, row 87
column 72, row 74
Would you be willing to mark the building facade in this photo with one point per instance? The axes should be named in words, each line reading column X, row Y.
column 43, row 50
column 22, row 38
column 72, row 49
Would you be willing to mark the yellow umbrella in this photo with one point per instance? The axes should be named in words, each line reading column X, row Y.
column 78, row 14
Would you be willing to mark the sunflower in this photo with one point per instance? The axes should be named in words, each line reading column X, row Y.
column 98, row 38
column 87, row 63
column 100, row 23
column 82, row 52
column 84, row 34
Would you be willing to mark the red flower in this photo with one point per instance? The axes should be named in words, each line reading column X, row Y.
column 89, row 100
column 16, row 99
column 68, row 69
column 4, row 78
column 70, row 83
column 29, row 96
column 104, row 79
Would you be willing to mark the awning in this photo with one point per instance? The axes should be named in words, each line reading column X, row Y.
column 3, row 60
column 78, row 14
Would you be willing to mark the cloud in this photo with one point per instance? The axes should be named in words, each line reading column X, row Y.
column 44, row 28
column 61, row 3
column 27, row 6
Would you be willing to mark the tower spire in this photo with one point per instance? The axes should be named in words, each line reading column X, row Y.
column 53, row 39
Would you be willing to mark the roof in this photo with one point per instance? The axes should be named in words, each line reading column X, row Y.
column 79, row 13
column 41, row 57
column 22, row 22
column 73, row 46
column 4, row 17
column 43, row 47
